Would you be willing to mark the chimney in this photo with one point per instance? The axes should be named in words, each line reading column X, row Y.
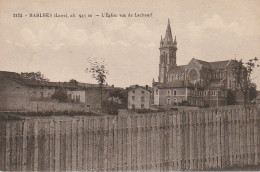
column 146, row 87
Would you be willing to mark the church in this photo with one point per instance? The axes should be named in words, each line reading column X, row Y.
column 199, row 83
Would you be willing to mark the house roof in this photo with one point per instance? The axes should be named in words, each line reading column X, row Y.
column 18, row 78
column 6, row 74
column 133, row 87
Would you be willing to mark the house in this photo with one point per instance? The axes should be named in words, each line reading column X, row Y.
column 199, row 83
column 77, row 95
column 17, row 93
column 139, row 97
column 115, row 100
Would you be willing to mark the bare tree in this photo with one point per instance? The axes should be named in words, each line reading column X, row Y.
column 98, row 72
column 242, row 74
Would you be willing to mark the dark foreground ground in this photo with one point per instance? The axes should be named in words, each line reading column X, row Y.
column 247, row 168
column 8, row 116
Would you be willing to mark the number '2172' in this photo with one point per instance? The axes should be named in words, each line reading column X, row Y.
column 17, row 15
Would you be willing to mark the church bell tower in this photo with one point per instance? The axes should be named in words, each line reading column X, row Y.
column 168, row 48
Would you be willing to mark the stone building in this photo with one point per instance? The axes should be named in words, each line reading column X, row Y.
column 77, row 95
column 17, row 93
column 199, row 83
column 139, row 97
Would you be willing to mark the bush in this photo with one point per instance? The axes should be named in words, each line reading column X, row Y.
column 231, row 98
column 183, row 103
column 111, row 107
column 206, row 105
column 60, row 95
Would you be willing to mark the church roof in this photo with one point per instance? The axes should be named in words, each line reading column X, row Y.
column 219, row 64
column 177, row 69
column 216, row 65
column 168, row 34
column 204, row 64
column 168, row 40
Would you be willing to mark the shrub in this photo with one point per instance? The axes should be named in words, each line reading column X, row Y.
column 60, row 95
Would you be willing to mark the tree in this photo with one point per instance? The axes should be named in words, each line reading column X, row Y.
column 231, row 98
column 242, row 75
column 121, row 94
column 111, row 107
column 74, row 82
column 252, row 92
column 34, row 76
column 60, row 95
column 98, row 71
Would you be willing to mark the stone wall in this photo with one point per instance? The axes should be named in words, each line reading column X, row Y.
column 13, row 96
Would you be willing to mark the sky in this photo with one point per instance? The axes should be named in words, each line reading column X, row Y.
column 210, row 30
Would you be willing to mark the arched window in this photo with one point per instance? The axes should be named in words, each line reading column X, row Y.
column 168, row 101
column 175, row 92
column 193, row 75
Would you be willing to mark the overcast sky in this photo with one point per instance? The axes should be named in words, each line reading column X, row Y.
column 210, row 30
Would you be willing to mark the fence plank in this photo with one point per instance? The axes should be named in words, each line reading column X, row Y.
column 3, row 128
column 255, row 137
column 80, row 130
column 24, row 162
column 52, row 147
column 13, row 147
column 7, row 158
column 184, row 141
column 57, row 145
column 129, row 142
column 74, row 143
column 68, row 130
column 36, row 129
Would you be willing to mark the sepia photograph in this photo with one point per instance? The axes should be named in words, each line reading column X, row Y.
column 123, row 85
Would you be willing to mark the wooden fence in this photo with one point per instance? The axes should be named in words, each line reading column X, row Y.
column 185, row 141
